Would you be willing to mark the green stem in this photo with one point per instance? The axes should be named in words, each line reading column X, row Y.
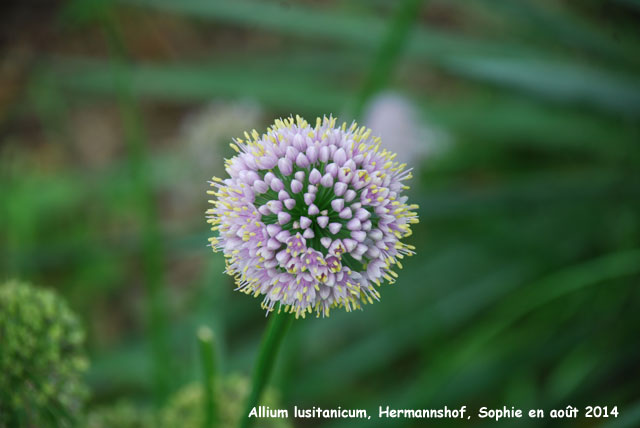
column 388, row 53
column 278, row 326
column 208, row 361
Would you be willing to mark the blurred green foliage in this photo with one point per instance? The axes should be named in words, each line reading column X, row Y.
column 524, row 290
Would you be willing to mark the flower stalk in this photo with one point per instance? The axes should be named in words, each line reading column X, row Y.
column 209, row 368
column 271, row 342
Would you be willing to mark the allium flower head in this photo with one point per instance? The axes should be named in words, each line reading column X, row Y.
column 395, row 119
column 185, row 407
column 312, row 217
column 123, row 414
column 205, row 133
column 42, row 361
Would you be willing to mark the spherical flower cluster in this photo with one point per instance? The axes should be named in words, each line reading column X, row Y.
column 42, row 361
column 312, row 217
column 123, row 414
column 395, row 119
column 185, row 407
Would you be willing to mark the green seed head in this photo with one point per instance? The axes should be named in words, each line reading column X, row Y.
column 42, row 361
column 123, row 414
column 186, row 407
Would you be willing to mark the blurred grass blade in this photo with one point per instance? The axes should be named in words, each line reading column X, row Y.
column 360, row 30
column 489, row 61
column 557, row 285
column 559, row 82
column 209, row 376
column 388, row 53
column 631, row 3
column 191, row 83
column 556, row 24
column 307, row 88
column 629, row 416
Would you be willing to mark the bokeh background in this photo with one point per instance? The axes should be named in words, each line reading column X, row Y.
column 520, row 119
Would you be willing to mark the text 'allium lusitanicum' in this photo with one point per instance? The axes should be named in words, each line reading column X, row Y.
column 312, row 217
